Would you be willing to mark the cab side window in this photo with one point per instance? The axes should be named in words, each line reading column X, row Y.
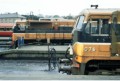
column 97, row 26
column 116, row 27
column 94, row 27
column 105, row 27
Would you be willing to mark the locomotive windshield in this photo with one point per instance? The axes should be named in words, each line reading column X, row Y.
column 80, row 22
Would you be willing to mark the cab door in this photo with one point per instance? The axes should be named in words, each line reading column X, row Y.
column 115, row 33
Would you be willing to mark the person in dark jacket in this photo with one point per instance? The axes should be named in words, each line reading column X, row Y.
column 16, row 28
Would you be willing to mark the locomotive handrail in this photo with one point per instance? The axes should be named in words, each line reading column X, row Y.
column 66, row 55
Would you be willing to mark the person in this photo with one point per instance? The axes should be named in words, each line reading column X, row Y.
column 17, row 27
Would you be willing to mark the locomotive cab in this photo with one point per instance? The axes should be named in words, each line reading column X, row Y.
column 92, row 27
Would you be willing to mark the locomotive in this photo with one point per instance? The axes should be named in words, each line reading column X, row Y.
column 35, row 31
column 96, row 44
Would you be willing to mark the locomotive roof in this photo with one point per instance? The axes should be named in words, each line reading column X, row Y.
column 37, row 21
column 88, row 12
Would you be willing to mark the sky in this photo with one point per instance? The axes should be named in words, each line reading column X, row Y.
column 53, row 7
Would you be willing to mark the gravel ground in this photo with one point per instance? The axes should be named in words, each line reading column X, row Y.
column 38, row 70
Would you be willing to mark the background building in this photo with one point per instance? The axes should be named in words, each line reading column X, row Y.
column 7, row 20
column 10, row 17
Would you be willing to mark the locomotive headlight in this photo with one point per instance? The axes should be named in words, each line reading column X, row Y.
column 78, row 49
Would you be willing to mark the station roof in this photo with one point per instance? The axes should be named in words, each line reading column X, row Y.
column 7, row 25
